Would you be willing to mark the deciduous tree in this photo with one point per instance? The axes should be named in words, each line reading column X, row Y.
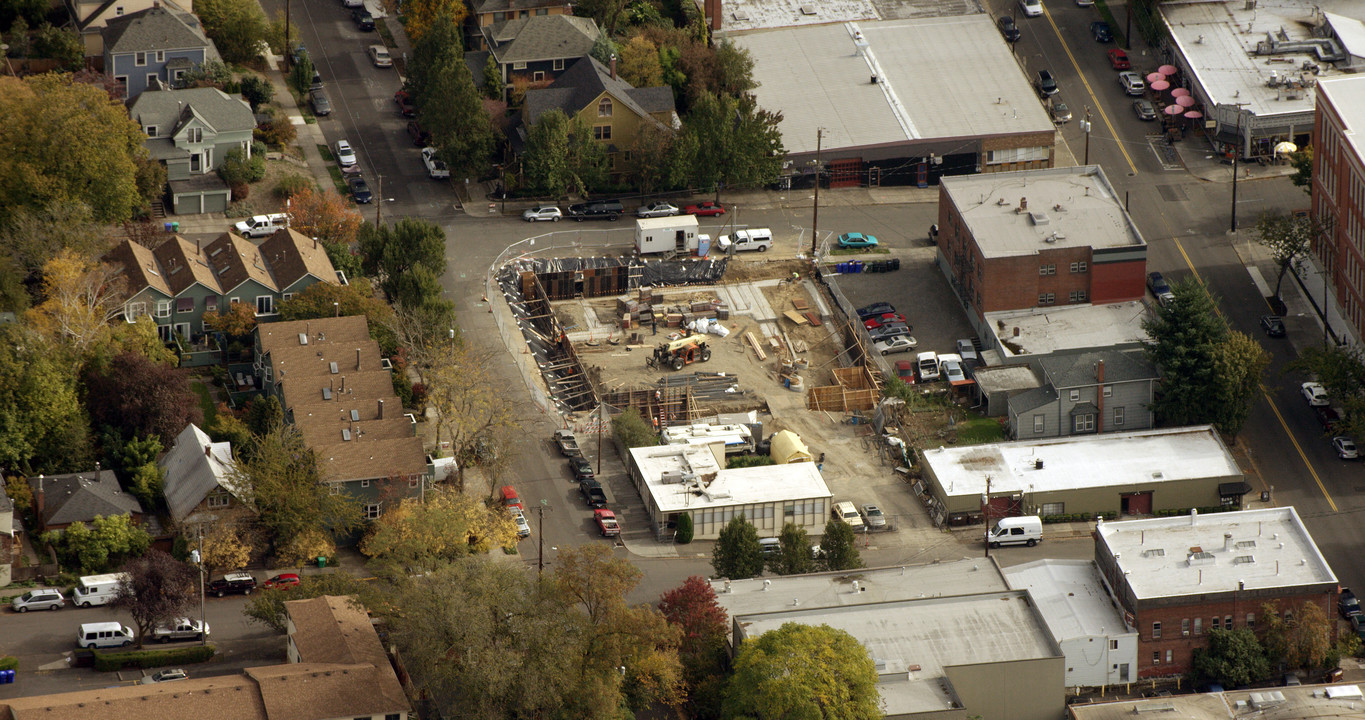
column 104, row 543
column 257, row 90
column 140, row 397
column 639, row 63
column 839, row 547
column 43, row 427
column 736, row 143
column 1301, row 640
column 280, row 480
column 158, row 588
column 1239, row 362
column 1286, row 237
column 422, row 16
column 58, row 43
column 1341, row 370
column 1303, row 169
column 236, row 320
column 226, row 547
column 1232, row 658
column 323, row 214
column 237, row 27
column 794, row 552
column 737, row 554
column 803, row 671
column 692, row 608
column 562, row 157
column 267, row 607
column 658, row 158
column 43, row 112
column 468, row 400
column 80, row 298
column 34, row 236
column 419, row 535
column 327, row 300
column 390, row 252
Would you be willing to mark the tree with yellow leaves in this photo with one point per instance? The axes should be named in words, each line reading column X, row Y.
column 422, row 14
column 225, row 547
column 470, row 405
column 80, row 298
column 426, row 535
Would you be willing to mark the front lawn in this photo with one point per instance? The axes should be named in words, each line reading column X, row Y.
column 206, row 402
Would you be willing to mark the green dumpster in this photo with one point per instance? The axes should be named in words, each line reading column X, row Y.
column 322, row 561
column 175, row 227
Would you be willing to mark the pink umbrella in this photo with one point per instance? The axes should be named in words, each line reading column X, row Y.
column 1160, row 85
column 1173, row 110
column 1185, row 101
column 1194, row 114
column 1166, row 70
column 1153, row 77
column 1180, row 92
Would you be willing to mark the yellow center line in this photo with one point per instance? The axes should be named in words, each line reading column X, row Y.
column 1091, row 91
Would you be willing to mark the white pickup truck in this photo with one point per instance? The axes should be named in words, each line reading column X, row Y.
column 262, row 225
column 435, row 168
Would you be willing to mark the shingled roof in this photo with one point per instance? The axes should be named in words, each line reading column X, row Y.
column 293, row 256
column 80, row 497
column 541, row 37
column 585, row 81
column 169, row 110
column 156, row 28
column 194, row 467
column 140, row 270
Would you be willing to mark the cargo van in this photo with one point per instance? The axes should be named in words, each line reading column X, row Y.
column 1024, row 530
column 104, row 635
column 97, row 589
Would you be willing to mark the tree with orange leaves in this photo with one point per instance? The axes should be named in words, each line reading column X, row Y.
column 325, row 215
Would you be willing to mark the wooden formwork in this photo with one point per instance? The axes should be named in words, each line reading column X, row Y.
column 855, row 389
column 661, row 408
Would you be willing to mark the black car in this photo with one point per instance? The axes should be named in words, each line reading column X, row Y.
column 363, row 20
column 1100, row 31
column 1047, row 84
column 591, row 490
column 880, row 308
column 1273, row 325
column 360, row 190
column 1347, row 604
column 1008, row 28
column 596, row 210
column 237, row 582
column 1157, row 284
column 581, row 468
column 321, row 104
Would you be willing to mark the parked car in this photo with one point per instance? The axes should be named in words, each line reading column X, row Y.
column 1031, row 8
column 857, row 240
column 1273, row 325
column 1085, row 3
column 706, row 208
column 1358, row 625
column 966, row 349
column 419, row 136
column 1315, row 394
column 872, row 515
column 1046, row 83
column 848, row 513
column 1101, row 32
column 1144, row 109
column 581, row 468
column 878, row 308
column 316, row 83
column 896, row 344
column 519, row 519
column 181, row 629
column 379, row 55
column 656, row 209
column 1156, row 282
column 876, row 321
column 950, row 367
column 352, row 3
column 237, row 582
column 927, row 362
column 1327, row 416
column 1132, row 83
column 360, row 190
column 38, row 599
column 363, row 20
column 167, row 675
column 1008, row 28
column 1345, row 447
column 436, row 168
column 596, row 210
column 322, row 105
column 1061, row 114
column 1118, row 59
column 345, row 155
column 606, row 522
column 905, row 370
column 592, row 493
column 283, row 581
column 567, row 443
column 403, row 99
column 888, row 331
column 1347, row 604
column 538, row 213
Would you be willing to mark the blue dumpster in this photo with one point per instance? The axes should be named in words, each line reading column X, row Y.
column 6, row 677
column 170, row 227
column 857, row 266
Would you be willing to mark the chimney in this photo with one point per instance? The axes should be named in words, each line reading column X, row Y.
column 613, row 66
column 381, row 409
column 40, row 504
column 1099, row 372
column 208, row 451
column 1227, row 542
column 357, row 358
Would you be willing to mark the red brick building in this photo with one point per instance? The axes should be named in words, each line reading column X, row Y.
column 1338, row 192
column 1177, row 578
column 1038, row 238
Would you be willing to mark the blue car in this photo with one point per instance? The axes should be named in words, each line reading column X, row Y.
column 857, row 240
column 1100, row 31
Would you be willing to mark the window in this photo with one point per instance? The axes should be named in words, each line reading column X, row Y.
column 289, row 296
column 195, row 135
column 1108, row 391
column 373, row 510
column 163, row 308
column 118, row 11
column 601, row 132
column 140, row 59
column 1156, row 631
column 122, row 80
column 151, row 79
column 184, row 304
column 136, row 309
column 1009, row 155
column 1085, row 423
column 220, row 500
column 1046, row 298
column 604, row 108
column 519, row 66
column 539, row 11
column 1050, row 269
column 1113, row 644
column 234, row 301
column 161, row 56
column 333, row 489
column 1038, row 423
column 1199, row 626
column 1227, row 622
column 265, row 305
column 626, row 156
column 1118, row 417
column 1168, row 657
column 1078, row 267
column 1251, row 620
column 559, row 64
column 412, row 482
column 538, row 76
column 1052, row 509
column 1156, row 657
column 196, row 163
column 1076, row 296
column 1214, row 624
column 1074, row 395
column 1185, row 627
column 151, row 131
column 365, row 483
column 391, row 716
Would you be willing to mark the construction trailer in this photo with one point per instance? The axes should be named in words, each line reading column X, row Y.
column 676, row 234
column 738, row 439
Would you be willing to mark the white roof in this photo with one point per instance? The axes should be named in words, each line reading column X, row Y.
column 1347, row 95
column 663, row 223
column 1043, row 331
column 1071, row 596
column 1281, row 703
column 950, row 77
column 1215, row 40
column 1147, row 457
column 928, row 634
column 1270, row 548
column 704, row 484
column 1066, row 207
column 1350, row 31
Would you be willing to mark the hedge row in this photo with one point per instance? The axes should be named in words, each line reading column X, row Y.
column 1078, row 517
column 1202, row 511
column 108, row 661
column 9, row 662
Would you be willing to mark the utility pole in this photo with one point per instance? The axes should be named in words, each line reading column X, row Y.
column 1085, row 125
column 198, row 557
column 601, row 428
column 815, row 211
column 288, row 51
column 378, row 200
column 540, row 554
column 986, row 511
column 1236, row 154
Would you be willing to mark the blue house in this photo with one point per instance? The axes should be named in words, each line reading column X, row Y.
column 157, row 44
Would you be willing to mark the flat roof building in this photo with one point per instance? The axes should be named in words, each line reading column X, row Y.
column 1340, row 700
column 1338, row 206
column 1135, row 473
column 691, row 479
column 1171, row 575
column 1025, row 335
column 901, row 101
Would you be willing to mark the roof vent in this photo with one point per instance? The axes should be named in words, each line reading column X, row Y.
column 333, row 366
column 1202, row 558
column 327, row 393
column 303, row 338
column 346, row 434
column 355, row 416
column 1039, row 217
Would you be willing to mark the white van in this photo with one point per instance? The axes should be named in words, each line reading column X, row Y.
column 1024, row 530
column 97, row 589
column 759, row 239
column 104, row 635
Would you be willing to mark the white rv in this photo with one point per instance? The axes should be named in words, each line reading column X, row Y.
column 97, row 589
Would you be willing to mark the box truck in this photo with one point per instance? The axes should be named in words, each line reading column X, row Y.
column 97, row 589
column 668, row 234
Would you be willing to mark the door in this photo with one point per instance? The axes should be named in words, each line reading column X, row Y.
column 1123, row 672
column 845, row 173
column 1136, row 503
column 680, row 240
column 922, row 174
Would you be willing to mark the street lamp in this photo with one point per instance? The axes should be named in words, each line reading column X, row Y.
column 198, row 557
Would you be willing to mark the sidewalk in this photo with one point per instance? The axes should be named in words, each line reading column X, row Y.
column 309, row 134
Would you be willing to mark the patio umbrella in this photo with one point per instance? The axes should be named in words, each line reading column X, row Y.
column 1173, row 110
column 1285, row 148
column 1160, row 85
column 1166, row 70
column 1153, row 77
column 1185, row 101
column 1194, row 114
column 1180, row 92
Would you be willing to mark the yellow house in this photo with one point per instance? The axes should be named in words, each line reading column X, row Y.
column 614, row 109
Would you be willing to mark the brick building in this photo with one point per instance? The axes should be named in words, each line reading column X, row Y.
column 1038, row 238
column 1176, row 578
column 1338, row 192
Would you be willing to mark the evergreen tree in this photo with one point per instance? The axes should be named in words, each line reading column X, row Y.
column 1184, row 338
column 738, row 554
column 794, row 554
column 448, row 105
column 839, row 547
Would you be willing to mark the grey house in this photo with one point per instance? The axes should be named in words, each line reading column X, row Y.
column 199, row 479
column 1086, row 393
column 191, row 132
column 159, row 44
column 535, row 49
column 60, row 500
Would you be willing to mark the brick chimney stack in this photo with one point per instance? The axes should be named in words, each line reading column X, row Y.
column 613, row 66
